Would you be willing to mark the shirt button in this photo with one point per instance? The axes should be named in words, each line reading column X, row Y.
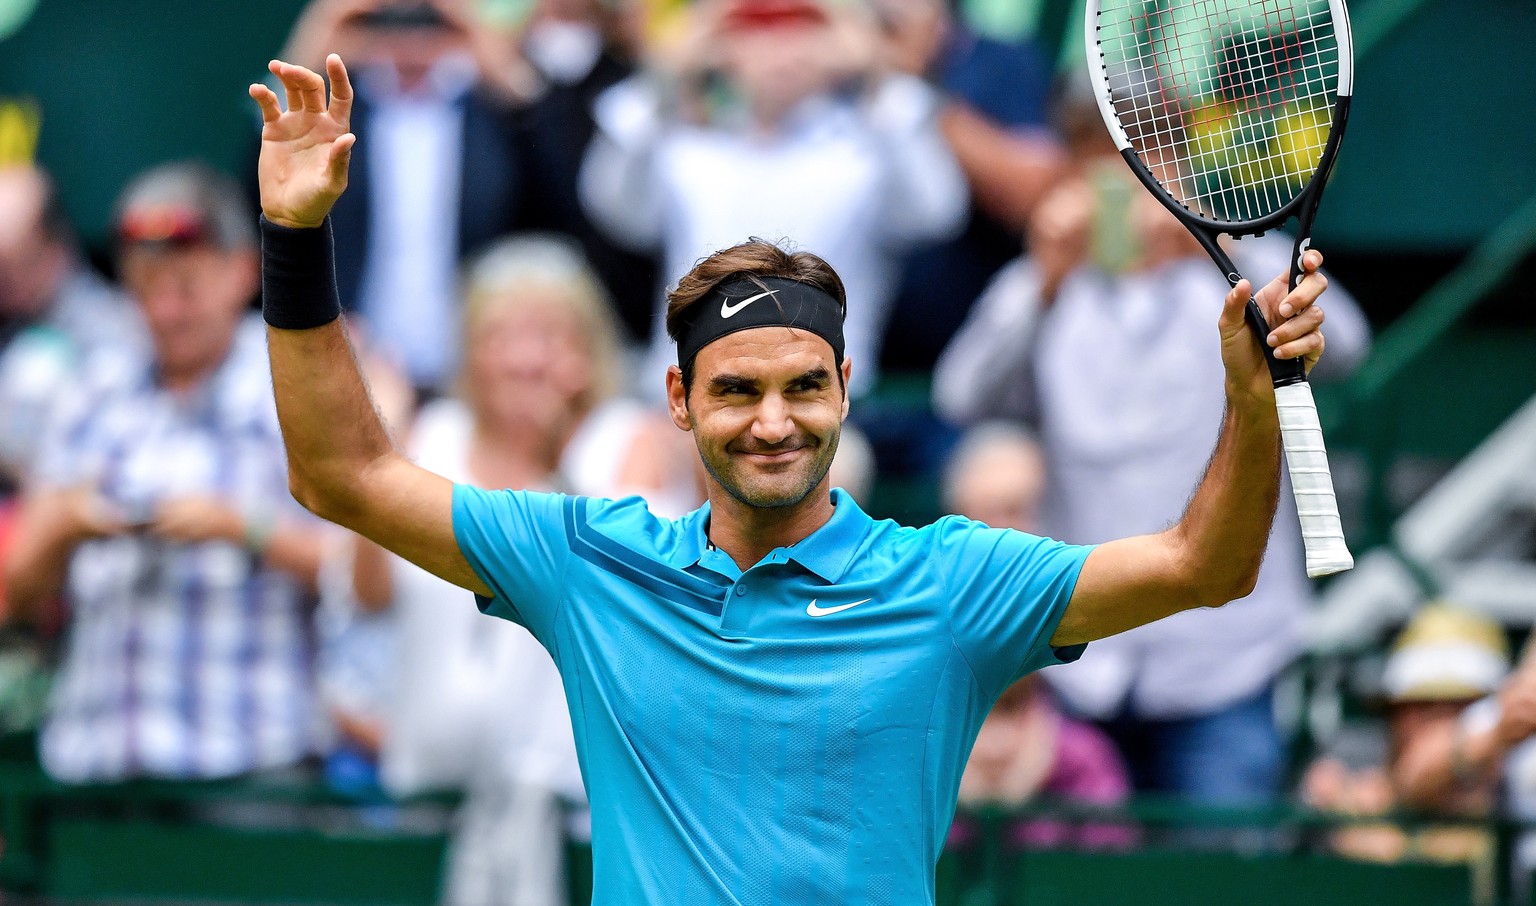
column 741, row 589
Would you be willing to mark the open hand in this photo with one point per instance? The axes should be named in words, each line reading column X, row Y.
column 1297, row 332
column 304, row 151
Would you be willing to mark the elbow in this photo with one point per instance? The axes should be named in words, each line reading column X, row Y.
column 325, row 499
column 1215, row 580
column 1234, row 586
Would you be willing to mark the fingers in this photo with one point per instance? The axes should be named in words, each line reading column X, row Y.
column 341, row 91
column 1298, row 336
column 267, row 101
column 306, row 90
column 340, row 157
column 294, row 101
column 1232, row 310
column 1312, row 285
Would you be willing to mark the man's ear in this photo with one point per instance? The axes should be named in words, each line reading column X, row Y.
column 677, row 399
column 847, row 375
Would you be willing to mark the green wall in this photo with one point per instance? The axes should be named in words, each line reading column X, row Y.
column 127, row 84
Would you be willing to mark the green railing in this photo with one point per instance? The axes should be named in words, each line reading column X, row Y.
column 136, row 842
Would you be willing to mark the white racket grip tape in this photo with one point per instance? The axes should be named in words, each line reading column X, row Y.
column 1302, row 437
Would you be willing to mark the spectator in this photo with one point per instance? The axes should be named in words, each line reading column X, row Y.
column 1459, row 723
column 578, row 50
column 53, row 310
column 1027, row 748
column 1101, row 336
column 436, row 175
column 480, row 707
column 160, row 508
column 757, row 131
column 994, row 119
column 1462, row 725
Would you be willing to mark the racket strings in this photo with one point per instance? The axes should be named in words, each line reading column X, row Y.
column 1228, row 102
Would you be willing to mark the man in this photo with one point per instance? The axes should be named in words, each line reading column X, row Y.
column 994, row 120
column 158, row 507
column 53, row 310
column 756, row 132
column 440, row 179
column 773, row 696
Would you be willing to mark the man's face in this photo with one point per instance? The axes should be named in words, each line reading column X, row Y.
column 192, row 299
column 766, row 410
column 777, row 68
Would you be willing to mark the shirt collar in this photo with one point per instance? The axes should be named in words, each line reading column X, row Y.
column 827, row 552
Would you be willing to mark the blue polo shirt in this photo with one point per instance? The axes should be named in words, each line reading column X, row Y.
column 793, row 734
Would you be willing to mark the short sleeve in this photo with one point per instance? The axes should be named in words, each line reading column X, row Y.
column 515, row 541
column 1008, row 591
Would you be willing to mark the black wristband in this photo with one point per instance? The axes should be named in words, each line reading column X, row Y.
column 298, row 276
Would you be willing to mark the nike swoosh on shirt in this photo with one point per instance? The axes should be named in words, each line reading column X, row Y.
column 727, row 309
column 815, row 611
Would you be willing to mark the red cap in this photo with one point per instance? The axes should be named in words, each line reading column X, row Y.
column 163, row 224
column 746, row 15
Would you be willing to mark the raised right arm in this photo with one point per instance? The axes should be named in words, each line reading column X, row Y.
column 342, row 465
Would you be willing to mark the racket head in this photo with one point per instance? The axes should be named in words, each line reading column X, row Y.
column 1230, row 111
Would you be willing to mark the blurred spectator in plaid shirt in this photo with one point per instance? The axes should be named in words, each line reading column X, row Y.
column 159, row 507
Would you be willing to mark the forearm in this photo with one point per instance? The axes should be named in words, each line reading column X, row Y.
column 1226, row 526
column 296, row 550
column 1444, row 763
column 372, row 583
column 987, row 370
column 1008, row 173
column 38, row 562
column 331, row 430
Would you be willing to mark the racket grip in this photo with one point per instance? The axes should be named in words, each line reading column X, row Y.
column 1302, row 436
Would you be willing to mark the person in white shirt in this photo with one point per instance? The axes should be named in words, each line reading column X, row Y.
column 1100, row 337
column 777, row 121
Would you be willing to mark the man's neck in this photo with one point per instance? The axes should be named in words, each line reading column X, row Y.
column 749, row 533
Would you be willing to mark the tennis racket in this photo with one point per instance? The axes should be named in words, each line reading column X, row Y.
column 1230, row 112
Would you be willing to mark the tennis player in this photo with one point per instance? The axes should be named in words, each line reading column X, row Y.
column 773, row 696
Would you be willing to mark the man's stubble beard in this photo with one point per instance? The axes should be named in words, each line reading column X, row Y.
column 818, row 468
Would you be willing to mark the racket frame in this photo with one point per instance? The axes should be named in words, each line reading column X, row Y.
column 1301, row 433
column 1206, row 230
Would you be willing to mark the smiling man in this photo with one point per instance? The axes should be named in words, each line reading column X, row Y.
column 773, row 696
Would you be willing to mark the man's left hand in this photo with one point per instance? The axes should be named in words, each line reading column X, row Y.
column 1297, row 332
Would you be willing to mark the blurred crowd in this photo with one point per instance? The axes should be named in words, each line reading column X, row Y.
column 524, row 189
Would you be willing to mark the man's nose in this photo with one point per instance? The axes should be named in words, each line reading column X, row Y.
column 772, row 424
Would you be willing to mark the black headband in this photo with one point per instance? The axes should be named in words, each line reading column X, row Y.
column 742, row 303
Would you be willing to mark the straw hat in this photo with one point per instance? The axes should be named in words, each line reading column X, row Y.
column 1446, row 654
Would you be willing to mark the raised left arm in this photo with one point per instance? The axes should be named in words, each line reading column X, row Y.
column 1213, row 554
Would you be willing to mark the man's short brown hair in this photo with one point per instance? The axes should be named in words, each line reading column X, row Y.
column 754, row 258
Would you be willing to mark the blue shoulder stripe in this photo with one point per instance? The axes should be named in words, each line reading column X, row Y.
column 612, row 557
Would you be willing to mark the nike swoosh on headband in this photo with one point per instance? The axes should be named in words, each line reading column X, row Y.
column 727, row 309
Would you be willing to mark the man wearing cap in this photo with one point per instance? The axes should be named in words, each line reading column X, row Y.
column 772, row 696
column 159, row 508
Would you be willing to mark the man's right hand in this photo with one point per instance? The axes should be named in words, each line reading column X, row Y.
column 305, row 151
